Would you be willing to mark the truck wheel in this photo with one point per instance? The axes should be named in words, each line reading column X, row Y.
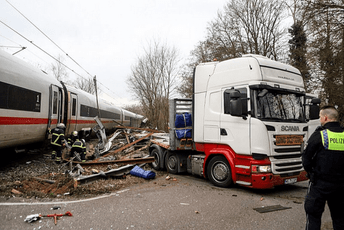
column 164, row 154
column 219, row 172
column 156, row 153
column 172, row 163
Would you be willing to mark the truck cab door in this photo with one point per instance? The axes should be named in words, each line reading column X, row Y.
column 234, row 125
column 55, row 106
column 311, row 122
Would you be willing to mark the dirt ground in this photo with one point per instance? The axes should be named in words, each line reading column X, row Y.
column 33, row 175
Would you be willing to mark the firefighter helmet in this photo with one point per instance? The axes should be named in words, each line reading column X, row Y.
column 75, row 133
column 61, row 126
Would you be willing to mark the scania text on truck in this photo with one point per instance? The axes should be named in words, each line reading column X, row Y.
column 244, row 125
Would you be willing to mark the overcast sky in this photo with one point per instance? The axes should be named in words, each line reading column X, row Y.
column 105, row 37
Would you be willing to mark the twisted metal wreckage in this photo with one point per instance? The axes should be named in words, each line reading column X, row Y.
column 105, row 153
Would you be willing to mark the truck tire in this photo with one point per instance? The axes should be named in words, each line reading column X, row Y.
column 156, row 152
column 171, row 162
column 219, row 172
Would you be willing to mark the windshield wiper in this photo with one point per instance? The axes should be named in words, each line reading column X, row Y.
column 293, row 120
column 272, row 119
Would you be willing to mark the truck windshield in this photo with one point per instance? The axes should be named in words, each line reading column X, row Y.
column 279, row 106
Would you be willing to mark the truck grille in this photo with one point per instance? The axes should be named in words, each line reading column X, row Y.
column 286, row 160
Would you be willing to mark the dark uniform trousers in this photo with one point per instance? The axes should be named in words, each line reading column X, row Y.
column 79, row 147
column 315, row 201
column 57, row 152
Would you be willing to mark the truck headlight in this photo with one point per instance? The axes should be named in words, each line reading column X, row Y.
column 261, row 168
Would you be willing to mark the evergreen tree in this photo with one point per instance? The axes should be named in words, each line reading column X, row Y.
column 298, row 50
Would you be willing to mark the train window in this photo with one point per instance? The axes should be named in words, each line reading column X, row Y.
column 74, row 107
column 87, row 111
column 55, row 103
column 127, row 118
column 18, row 98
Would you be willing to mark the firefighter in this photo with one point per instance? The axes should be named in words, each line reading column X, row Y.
column 57, row 141
column 79, row 147
column 323, row 160
column 72, row 138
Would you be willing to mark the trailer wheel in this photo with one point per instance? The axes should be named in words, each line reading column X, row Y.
column 219, row 172
column 156, row 153
column 163, row 159
column 172, row 162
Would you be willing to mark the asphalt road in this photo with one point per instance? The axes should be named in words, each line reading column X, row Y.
column 187, row 203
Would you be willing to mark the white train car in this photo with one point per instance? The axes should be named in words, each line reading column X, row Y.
column 82, row 109
column 31, row 101
column 131, row 119
column 25, row 96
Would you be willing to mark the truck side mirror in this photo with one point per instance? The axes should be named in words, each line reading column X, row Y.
column 314, row 109
column 232, row 101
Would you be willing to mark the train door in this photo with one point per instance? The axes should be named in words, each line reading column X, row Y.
column 55, row 106
column 73, row 111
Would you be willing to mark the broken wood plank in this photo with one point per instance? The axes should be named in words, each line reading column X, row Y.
column 124, row 147
column 127, row 137
column 124, row 161
column 136, row 151
column 44, row 180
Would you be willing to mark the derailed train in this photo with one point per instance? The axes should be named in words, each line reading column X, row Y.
column 31, row 101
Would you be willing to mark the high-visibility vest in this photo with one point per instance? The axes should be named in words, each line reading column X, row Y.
column 332, row 140
column 79, row 145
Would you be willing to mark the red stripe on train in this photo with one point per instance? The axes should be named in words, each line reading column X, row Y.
column 23, row 121
column 38, row 121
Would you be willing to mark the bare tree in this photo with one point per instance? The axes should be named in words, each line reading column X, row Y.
column 134, row 108
column 153, row 81
column 244, row 26
column 59, row 70
column 186, row 88
column 248, row 26
column 86, row 84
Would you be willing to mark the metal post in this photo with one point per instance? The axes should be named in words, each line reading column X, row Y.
column 95, row 85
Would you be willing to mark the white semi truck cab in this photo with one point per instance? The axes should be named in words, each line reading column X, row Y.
column 248, row 123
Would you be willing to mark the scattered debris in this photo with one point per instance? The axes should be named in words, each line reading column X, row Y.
column 55, row 216
column 113, row 173
column 139, row 172
column 15, row 191
column 94, row 171
column 171, row 178
column 42, row 178
column 270, row 208
column 297, row 202
column 32, row 218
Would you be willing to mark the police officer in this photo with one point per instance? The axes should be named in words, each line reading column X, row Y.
column 57, row 141
column 79, row 146
column 323, row 160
